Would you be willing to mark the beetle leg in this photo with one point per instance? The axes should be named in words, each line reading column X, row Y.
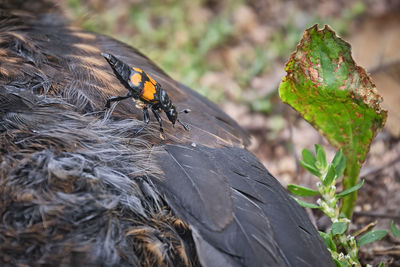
column 146, row 119
column 155, row 112
column 116, row 98
column 184, row 125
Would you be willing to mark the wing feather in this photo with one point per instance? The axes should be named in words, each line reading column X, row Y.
column 267, row 227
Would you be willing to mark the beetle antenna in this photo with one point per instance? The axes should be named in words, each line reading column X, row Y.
column 184, row 125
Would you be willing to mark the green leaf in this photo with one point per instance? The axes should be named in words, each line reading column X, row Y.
column 308, row 157
column 338, row 263
column 342, row 263
column 321, row 157
column 339, row 162
column 371, row 236
column 301, row 190
column 306, row 204
column 350, row 190
column 330, row 176
column 395, row 230
column 338, row 228
column 382, row 264
column 312, row 169
column 325, row 85
column 327, row 238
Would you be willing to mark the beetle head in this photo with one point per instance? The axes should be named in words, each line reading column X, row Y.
column 172, row 114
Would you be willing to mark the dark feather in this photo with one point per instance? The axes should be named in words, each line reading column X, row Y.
column 207, row 195
column 261, row 208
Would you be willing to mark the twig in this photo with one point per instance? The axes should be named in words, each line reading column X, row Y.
column 394, row 251
column 365, row 229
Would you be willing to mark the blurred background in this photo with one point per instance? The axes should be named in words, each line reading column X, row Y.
column 234, row 52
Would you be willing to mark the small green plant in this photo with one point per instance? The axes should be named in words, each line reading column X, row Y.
column 337, row 97
column 343, row 246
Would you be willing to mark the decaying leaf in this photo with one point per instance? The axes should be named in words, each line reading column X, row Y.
column 325, row 85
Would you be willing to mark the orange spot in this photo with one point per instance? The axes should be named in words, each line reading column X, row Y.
column 148, row 91
column 137, row 69
column 152, row 80
column 136, row 79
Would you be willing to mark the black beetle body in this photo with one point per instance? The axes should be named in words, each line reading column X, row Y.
column 141, row 86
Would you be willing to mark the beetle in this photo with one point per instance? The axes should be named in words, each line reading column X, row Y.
column 144, row 88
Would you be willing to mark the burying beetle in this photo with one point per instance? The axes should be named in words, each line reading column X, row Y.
column 144, row 88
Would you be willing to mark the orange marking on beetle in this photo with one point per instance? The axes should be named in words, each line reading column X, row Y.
column 136, row 79
column 137, row 69
column 152, row 80
column 148, row 91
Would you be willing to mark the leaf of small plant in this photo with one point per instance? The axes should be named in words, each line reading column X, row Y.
column 330, row 176
column 327, row 238
column 312, row 169
column 382, row 264
column 339, row 162
column 338, row 228
column 371, row 237
column 301, row 190
column 324, row 84
column 350, row 190
column 321, row 157
column 308, row 157
column 339, row 264
column 395, row 230
column 306, row 204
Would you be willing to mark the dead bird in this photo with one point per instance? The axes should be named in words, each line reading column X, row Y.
column 81, row 189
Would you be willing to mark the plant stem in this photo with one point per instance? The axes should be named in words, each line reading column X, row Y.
column 350, row 179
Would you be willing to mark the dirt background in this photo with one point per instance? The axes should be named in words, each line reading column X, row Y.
column 278, row 133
